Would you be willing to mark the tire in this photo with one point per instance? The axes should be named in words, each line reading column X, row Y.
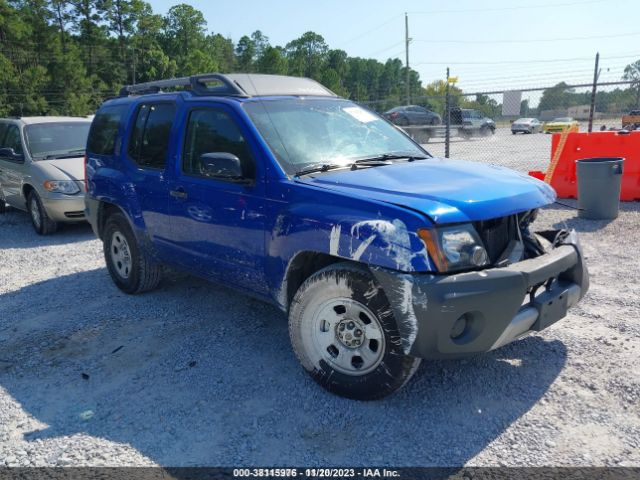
column 513, row 132
column 339, row 305
column 402, row 122
column 130, row 268
column 41, row 222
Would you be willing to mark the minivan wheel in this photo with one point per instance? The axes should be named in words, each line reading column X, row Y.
column 129, row 267
column 344, row 333
column 41, row 222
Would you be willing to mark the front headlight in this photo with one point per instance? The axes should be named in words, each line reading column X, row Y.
column 454, row 248
column 68, row 187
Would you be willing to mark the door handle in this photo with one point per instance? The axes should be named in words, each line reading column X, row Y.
column 178, row 193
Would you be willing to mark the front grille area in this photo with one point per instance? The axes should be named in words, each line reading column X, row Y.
column 496, row 234
column 78, row 214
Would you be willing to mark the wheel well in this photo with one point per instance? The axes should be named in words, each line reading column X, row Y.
column 303, row 266
column 26, row 190
column 104, row 210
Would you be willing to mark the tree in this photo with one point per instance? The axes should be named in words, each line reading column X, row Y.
column 632, row 73
column 185, row 41
column 307, row 55
column 273, row 61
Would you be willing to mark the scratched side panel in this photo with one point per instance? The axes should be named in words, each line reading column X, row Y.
column 304, row 218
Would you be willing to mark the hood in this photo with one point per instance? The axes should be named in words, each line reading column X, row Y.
column 63, row 168
column 447, row 191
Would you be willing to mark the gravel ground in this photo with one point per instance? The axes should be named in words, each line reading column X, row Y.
column 195, row 374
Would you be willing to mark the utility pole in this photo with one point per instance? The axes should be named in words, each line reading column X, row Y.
column 134, row 66
column 447, row 116
column 406, row 41
column 596, row 75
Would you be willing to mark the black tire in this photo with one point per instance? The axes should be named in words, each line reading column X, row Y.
column 3, row 204
column 356, row 290
column 402, row 122
column 513, row 132
column 142, row 274
column 41, row 222
column 435, row 121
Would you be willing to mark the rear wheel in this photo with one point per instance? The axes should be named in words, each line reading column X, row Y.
column 344, row 334
column 130, row 268
column 402, row 122
column 41, row 222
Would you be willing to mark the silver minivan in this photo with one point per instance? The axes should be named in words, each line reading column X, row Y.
column 42, row 168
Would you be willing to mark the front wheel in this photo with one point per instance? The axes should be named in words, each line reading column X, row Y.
column 41, row 222
column 130, row 268
column 345, row 335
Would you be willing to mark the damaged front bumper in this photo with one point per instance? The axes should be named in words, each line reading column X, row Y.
column 468, row 313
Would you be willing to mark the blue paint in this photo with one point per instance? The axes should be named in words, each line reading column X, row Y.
column 247, row 236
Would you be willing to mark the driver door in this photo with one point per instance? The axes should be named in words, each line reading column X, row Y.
column 217, row 224
column 12, row 169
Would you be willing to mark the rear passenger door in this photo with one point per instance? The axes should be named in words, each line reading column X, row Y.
column 149, row 148
column 217, row 225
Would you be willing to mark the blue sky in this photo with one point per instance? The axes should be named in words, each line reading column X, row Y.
column 501, row 44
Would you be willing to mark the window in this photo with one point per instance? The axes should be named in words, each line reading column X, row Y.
column 56, row 139
column 12, row 139
column 149, row 140
column 210, row 131
column 104, row 130
column 3, row 130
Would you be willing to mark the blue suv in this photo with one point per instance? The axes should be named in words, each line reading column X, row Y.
column 380, row 254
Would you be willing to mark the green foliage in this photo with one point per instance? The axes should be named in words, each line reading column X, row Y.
column 67, row 56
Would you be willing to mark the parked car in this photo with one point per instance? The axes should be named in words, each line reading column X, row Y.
column 560, row 125
column 412, row 115
column 42, row 168
column 473, row 122
column 379, row 253
column 526, row 125
column 631, row 121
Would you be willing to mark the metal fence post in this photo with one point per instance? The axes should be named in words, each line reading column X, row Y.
column 592, row 107
column 447, row 114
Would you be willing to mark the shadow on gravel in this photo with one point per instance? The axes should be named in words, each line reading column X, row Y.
column 584, row 224
column 24, row 236
column 195, row 374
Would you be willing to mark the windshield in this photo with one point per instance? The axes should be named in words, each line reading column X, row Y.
column 524, row 120
column 303, row 132
column 55, row 140
column 563, row 119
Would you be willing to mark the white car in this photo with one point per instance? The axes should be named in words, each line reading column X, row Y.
column 42, row 168
column 526, row 125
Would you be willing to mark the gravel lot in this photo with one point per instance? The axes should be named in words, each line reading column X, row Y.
column 195, row 374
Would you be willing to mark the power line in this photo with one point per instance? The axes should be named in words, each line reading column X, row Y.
column 378, row 27
column 500, row 9
column 539, row 40
column 504, row 62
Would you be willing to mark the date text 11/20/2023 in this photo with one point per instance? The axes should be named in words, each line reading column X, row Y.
column 316, row 472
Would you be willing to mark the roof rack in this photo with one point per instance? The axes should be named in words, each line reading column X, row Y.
column 197, row 83
column 235, row 85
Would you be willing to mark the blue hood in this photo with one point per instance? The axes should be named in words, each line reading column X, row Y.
column 447, row 191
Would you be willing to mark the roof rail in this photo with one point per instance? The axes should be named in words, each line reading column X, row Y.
column 197, row 84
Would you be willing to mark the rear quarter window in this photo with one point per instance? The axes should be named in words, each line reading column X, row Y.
column 104, row 130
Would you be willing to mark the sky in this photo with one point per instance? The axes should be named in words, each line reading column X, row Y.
column 496, row 45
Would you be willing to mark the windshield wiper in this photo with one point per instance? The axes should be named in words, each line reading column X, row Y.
column 386, row 157
column 319, row 168
column 69, row 154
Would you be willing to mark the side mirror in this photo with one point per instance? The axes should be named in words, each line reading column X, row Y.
column 10, row 154
column 221, row 165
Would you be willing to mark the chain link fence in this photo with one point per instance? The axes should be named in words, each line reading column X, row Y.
column 507, row 127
